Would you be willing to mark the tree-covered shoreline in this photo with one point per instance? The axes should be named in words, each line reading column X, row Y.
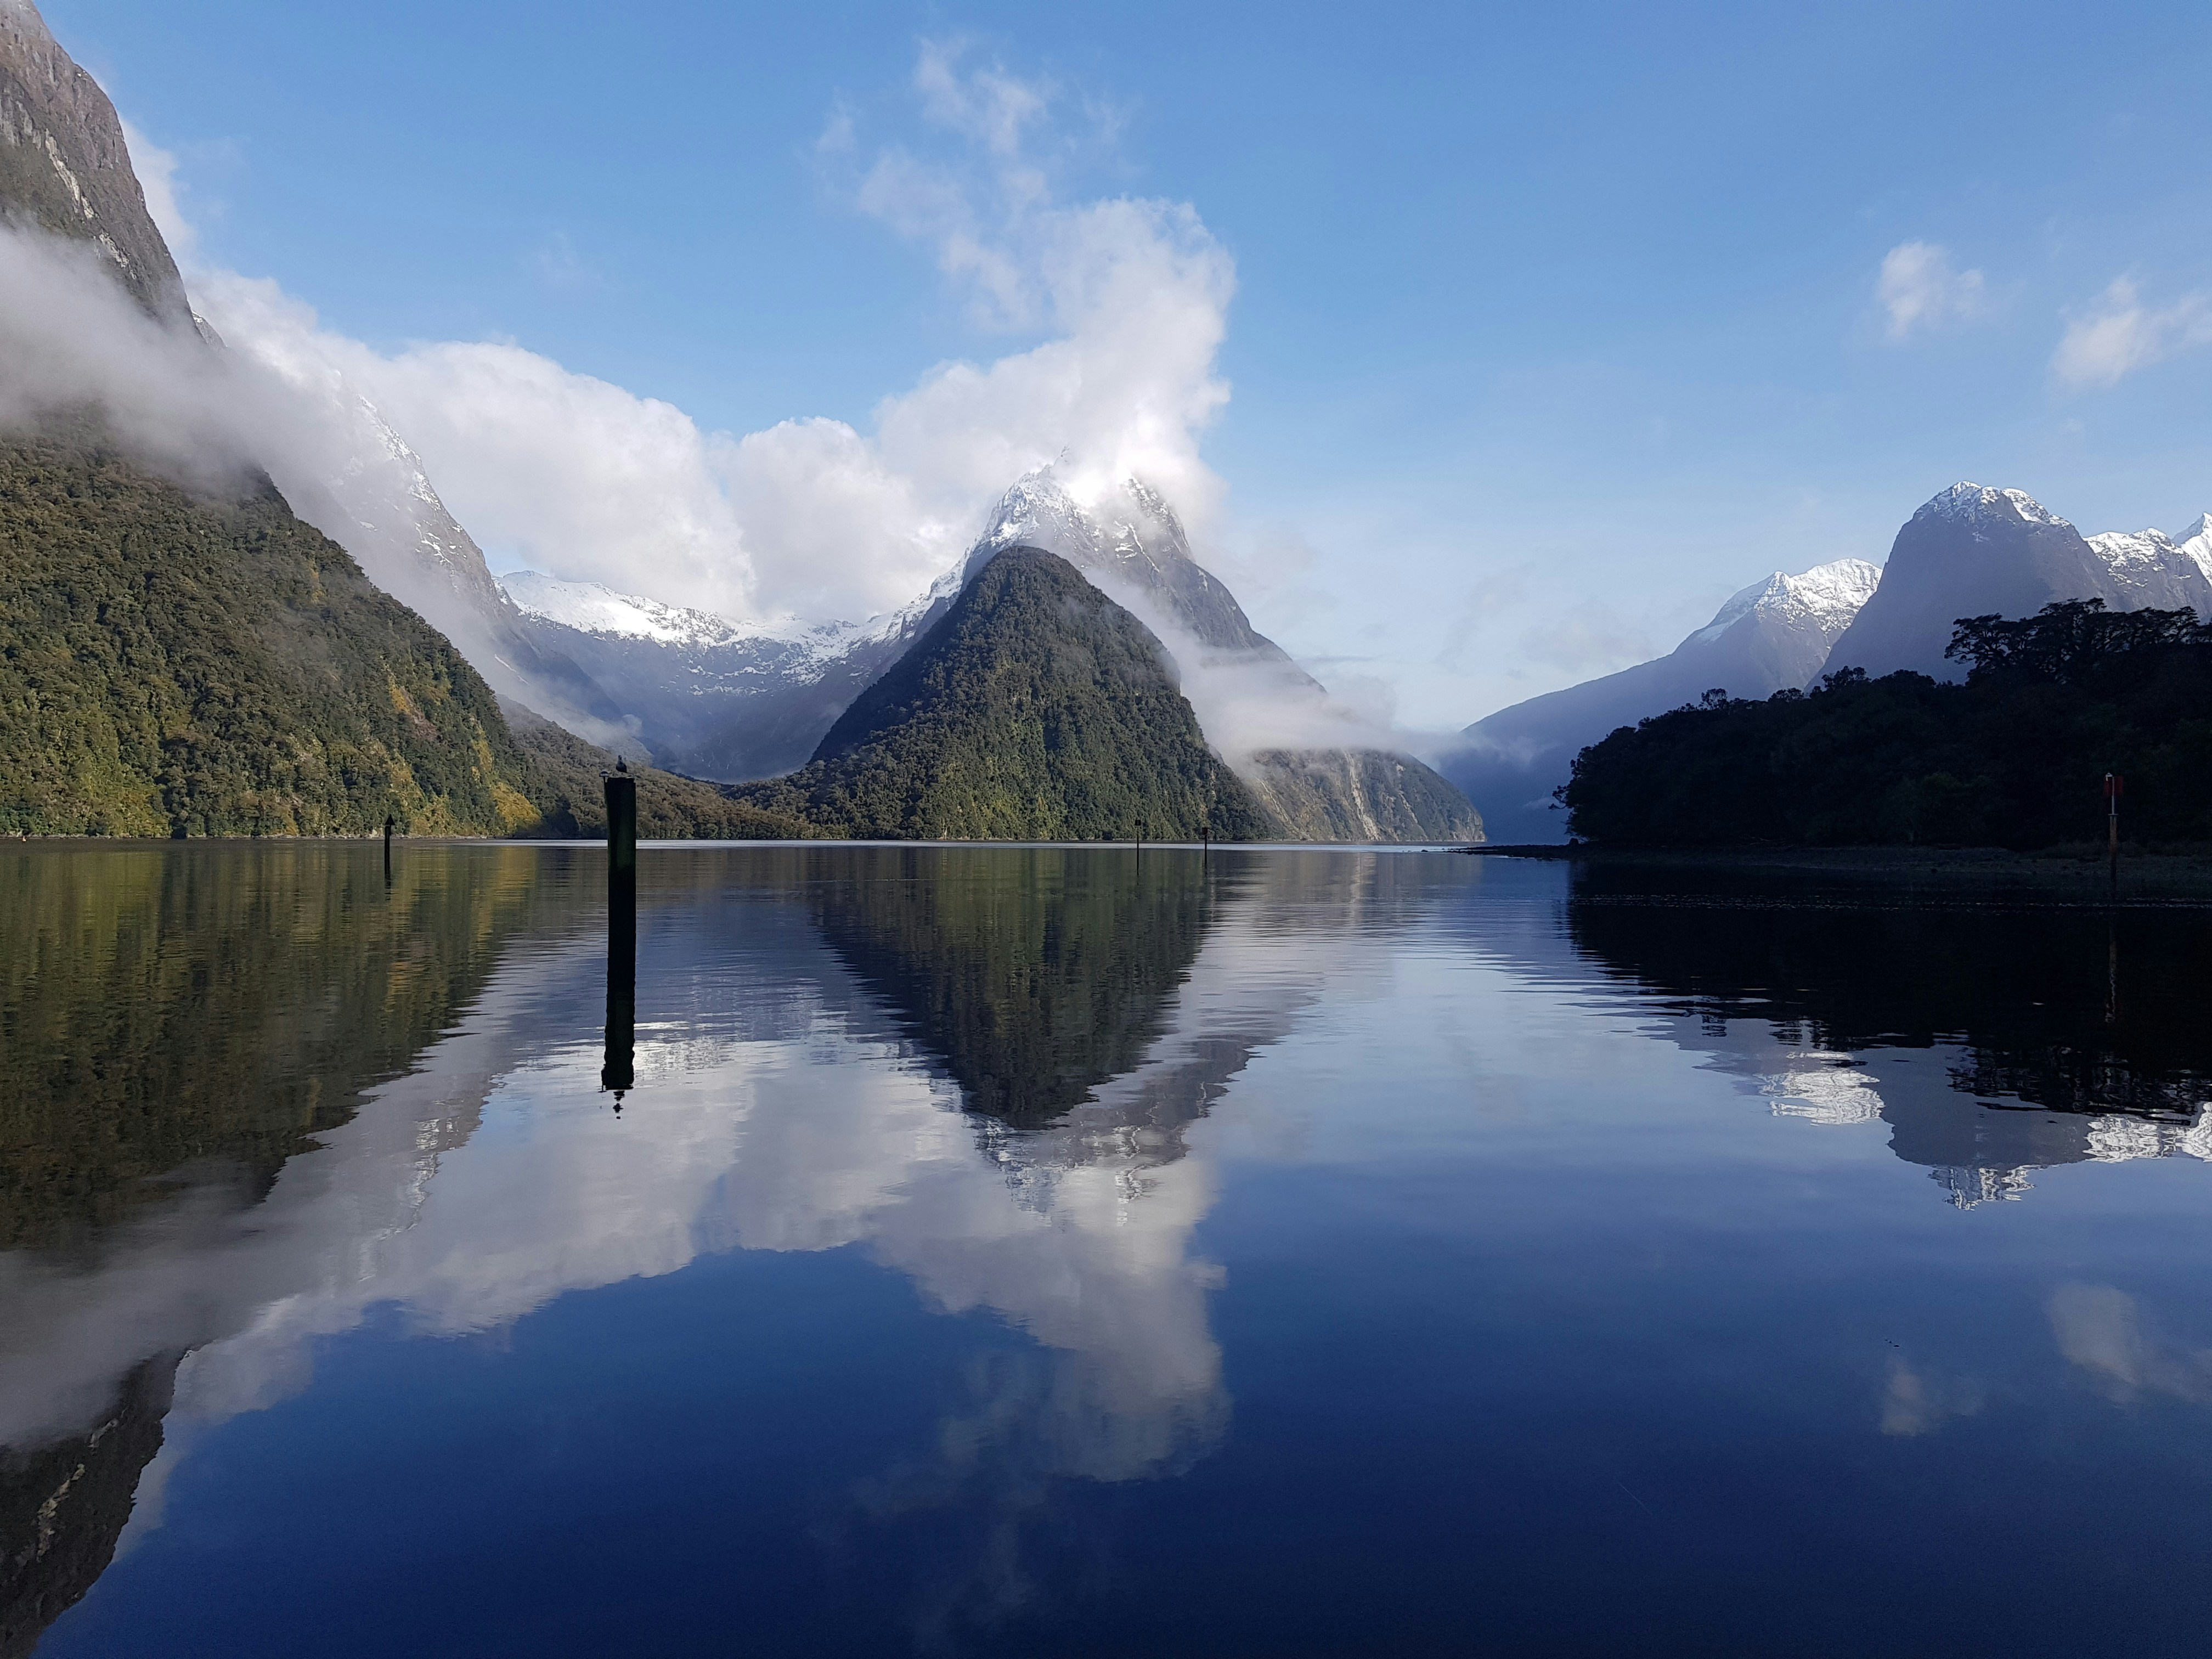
column 2014, row 756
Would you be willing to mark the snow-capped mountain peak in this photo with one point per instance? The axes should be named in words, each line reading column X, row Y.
column 1975, row 504
column 2196, row 542
column 1822, row 600
column 2122, row 549
column 596, row 609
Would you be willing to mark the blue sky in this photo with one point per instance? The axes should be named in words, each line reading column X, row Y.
column 1551, row 326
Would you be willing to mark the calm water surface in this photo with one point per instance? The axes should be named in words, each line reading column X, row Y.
column 1033, row 1251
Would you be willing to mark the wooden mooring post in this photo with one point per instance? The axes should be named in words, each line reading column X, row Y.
column 618, row 1073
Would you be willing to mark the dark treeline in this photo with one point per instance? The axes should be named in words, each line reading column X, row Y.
column 2015, row 756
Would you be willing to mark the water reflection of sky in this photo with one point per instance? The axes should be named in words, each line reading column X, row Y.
column 1438, row 1253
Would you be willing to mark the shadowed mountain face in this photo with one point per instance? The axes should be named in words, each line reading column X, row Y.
column 2077, row 1035
column 1036, row 709
column 1248, row 692
column 1975, row 552
column 64, row 167
column 1035, row 976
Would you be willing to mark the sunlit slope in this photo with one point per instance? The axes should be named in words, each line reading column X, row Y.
column 1035, row 709
column 171, row 665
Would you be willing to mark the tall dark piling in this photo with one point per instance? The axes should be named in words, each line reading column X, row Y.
column 388, row 849
column 618, row 1073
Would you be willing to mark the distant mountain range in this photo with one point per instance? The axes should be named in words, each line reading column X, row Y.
column 1775, row 633
column 541, row 669
column 1969, row 551
column 722, row 700
column 712, row 697
column 1972, row 552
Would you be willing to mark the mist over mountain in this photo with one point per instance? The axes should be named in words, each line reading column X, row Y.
column 720, row 699
column 1773, row 634
column 709, row 696
column 1326, row 772
column 65, row 173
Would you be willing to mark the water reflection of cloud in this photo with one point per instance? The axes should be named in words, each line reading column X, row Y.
column 1915, row 1402
column 492, row 1179
column 2100, row 1329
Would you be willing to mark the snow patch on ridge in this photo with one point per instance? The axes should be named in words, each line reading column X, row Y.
column 1975, row 504
column 591, row 608
column 1823, row 599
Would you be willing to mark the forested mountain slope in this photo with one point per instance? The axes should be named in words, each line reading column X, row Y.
column 171, row 665
column 1035, row 709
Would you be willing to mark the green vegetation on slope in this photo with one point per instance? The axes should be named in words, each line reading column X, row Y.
column 1034, row 975
column 217, row 1006
column 1035, row 709
column 173, row 665
column 2015, row 756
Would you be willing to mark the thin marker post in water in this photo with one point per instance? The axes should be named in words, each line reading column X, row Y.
column 388, row 849
column 619, row 1072
column 2113, row 784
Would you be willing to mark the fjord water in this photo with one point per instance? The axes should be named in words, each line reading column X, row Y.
column 1025, row 1251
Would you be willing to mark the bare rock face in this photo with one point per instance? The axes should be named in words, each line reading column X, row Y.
column 64, row 167
column 1973, row 551
column 1358, row 795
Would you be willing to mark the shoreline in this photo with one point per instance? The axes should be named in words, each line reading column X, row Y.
column 2141, row 873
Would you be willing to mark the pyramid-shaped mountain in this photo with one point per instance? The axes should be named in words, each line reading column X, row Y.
column 1134, row 546
column 1976, row 552
column 1035, row 709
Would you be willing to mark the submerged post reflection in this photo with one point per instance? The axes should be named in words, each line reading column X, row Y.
column 618, row 1072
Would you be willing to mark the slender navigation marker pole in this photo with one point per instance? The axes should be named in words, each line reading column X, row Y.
column 1205, row 843
column 388, row 849
column 619, row 1072
column 2113, row 784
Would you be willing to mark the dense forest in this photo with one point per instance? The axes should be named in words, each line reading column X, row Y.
column 2014, row 756
column 1035, row 709
column 172, row 665
column 176, row 664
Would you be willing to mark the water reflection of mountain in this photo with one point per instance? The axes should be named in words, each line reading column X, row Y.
column 1032, row 974
column 806, row 1081
column 2066, row 1034
column 181, row 1022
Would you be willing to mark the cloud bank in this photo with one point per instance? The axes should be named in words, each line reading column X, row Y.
column 815, row 517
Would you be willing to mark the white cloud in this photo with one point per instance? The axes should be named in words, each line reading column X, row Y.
column 157, row 171
column 2119, row 334
column 1922, row 289
column 814, row 516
